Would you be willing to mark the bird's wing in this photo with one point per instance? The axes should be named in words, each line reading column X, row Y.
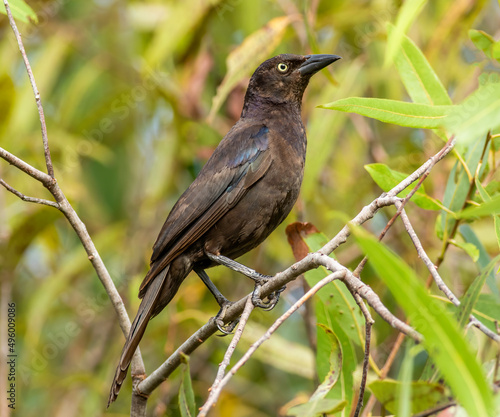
column 240, row 160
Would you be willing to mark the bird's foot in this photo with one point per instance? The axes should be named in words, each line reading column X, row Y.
column 225, row 328
column 269, row 302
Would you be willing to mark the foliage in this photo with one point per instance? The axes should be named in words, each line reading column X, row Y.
column 128, row 89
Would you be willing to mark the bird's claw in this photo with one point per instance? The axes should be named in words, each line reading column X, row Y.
column 272, row 299
column 225, row 328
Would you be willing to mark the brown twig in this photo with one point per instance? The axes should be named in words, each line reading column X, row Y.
column 366, row 359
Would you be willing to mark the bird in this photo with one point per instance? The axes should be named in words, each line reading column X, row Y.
column 245, row 190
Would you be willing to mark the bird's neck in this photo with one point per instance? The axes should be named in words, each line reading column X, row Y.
column 258, row 106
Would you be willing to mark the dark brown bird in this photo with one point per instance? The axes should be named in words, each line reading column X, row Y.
column 245, row 190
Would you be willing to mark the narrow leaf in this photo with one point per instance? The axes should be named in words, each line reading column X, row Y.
column 407, row 14
column 424, row 395
column 335, row 309
column 477, row 114
column 487, row 310
column 396, row 112
column 483, row 41
column 491, row 207
column 20, row 11
column 458, row 185
column 187, row 405
column 469, row 248
column 387, row 178
column 335, row 362
column 317, row 408
column 442, row 337
column 485, row 196
column 484, row 258
column 470, row 298
column 420, row 80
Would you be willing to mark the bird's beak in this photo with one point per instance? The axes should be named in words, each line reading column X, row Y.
column 315, row 63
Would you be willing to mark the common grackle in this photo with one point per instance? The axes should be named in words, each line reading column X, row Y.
column 245, row 190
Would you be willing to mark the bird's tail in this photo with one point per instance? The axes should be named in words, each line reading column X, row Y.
column 144, row 314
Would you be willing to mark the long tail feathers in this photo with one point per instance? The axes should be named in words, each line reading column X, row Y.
column 137, row 329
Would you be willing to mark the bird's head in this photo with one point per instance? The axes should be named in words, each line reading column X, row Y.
column 283, row 79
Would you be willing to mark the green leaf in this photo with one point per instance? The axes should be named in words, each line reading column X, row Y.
column 317, row 404
column 485, row 196
column 341, row 307
column 335, row 363
column 483, row 41
column 335, row 309
column 407, row 14
column 20, row 11
column 443, row 339
column 317, row 408
column 387, row 178
column 458, row 185
column 424, row 395
column 487, row 310
column 469, row 248
column 405, row 390
column 187, row 405
column 252, row 51
column 396, row 112
column 484, row 258
column 488, row 208
column 420, row 80
column 477, row 114
column 470, row 298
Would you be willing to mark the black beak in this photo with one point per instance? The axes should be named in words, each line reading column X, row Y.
column 315, row 63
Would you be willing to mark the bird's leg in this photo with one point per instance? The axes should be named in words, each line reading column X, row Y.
column 259, row 279
column 223, row 302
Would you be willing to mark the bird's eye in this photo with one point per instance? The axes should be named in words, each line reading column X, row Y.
column 282, row 67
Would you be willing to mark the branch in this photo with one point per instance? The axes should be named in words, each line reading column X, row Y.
column 38, row 175
column 309, row 262
column 214, row 389
column 48, row 159
column 29, row 199
column 216, row 392
column 437, row 278
column 386, row 199
column 65, row 207
column 366, row 359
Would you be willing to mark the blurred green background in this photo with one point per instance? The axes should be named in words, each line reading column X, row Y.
column 128, row 89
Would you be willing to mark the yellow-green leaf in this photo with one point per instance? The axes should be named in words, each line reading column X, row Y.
column 20, row 11
column 396, row 112
column 420, row 80
column 443, row 338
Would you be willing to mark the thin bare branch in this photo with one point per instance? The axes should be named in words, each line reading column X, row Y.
column 387, row 199
column 27, row 168
column 48, row 159
column 366, row 359
column 230, row 350
column 28, row 199
column 214, row 395
column 65, row 207
column 437, row 278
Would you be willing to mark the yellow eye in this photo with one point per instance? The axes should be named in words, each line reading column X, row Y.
column 282, row 67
